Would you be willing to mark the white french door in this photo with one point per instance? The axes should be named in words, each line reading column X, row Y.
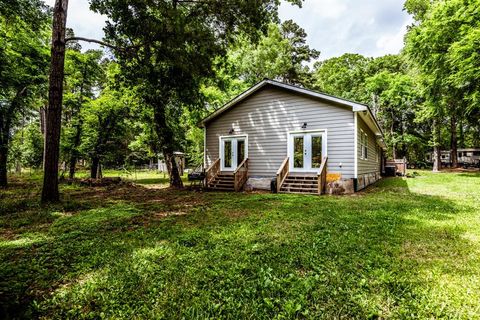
column 306, row 150
column 233, row 150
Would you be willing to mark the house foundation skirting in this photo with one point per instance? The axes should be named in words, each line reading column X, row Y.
column 366, row 179
column 341, row 186
column 258, row 183
column 338, row 187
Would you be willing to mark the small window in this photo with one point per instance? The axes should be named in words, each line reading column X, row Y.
column 366, row 146
column 363, row 145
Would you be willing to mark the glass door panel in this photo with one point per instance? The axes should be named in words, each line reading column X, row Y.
column 298, row 155
column 227, row 154
column 316, row 152
column 240, row 151
column 306, row 151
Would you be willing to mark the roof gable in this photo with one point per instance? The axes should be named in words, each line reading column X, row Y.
column 354, row 105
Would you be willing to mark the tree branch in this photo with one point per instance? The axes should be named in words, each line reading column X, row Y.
column 111, row 46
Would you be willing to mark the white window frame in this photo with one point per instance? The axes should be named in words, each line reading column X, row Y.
column 363, row 145
column 366, row 147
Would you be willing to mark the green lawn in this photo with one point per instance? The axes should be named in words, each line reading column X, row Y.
column 404, row 248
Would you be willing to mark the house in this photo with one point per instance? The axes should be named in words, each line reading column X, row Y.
column 304, row 141
column 465, row 157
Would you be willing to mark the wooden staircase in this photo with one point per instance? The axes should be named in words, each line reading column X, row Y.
column 300, row 184
column 222, row 182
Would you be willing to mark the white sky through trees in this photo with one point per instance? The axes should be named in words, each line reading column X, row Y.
column 369, row 27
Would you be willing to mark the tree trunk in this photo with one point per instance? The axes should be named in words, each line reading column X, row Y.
column 3, row 166
column 437, row 162
column 453, row 141
column 18, row 167
column 53, row 115
column 165, row 136
column 94, row 167
column 71, row 166
column 74, row 153
column 175, row 179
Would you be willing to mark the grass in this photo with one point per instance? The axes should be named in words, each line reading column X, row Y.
column 404, row 248
column 145, row 177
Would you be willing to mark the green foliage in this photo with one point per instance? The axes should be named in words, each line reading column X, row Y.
column 404, row 249
column 84, row 77
column 281, row 54
column 443, row 46
column 343, row 76
column 23, row 67
column 168, row 50
column 27, row 146
column 108, row 120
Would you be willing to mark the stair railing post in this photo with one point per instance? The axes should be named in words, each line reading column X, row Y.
column 282, row 173
column 322, row 176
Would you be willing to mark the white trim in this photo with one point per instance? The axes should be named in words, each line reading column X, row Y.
column 234, row 146
column 362, row 136
column 205, row 147
column 307, row 145
column 365, row 146
column 355, row 145
column 356, row 107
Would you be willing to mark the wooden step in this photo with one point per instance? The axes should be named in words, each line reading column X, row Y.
column 294, row 182
column 225, row 176
column 302, row 177
column 309, row 188
column 297, row 192
column 300, row 184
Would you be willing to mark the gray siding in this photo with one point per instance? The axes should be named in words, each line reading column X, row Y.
column 269, row 114
column 372, row 163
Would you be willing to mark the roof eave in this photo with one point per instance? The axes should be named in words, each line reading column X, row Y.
column 356, row 107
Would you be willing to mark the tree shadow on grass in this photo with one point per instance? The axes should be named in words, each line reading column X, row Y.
column 168, row 254
column 470, row 174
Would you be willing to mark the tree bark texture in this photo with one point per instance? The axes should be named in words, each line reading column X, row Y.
column 3, row 167
column 6, row 119
column 53, row 116
column 165, row 136
column 437, row 162
column 94, row 167
column 74, row 152
column 453, row 141
column 4, row 139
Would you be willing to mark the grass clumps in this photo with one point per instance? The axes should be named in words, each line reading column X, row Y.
column 403, row 248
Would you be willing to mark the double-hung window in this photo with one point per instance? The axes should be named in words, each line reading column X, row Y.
column 364, row 145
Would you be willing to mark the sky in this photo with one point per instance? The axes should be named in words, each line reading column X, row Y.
column 334, row 27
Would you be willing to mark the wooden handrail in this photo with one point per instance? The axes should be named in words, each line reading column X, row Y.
column 212, row 171
column 240, row 165
column 212, row 165
column 240, row 175
column 322, row 176
column 282, row 173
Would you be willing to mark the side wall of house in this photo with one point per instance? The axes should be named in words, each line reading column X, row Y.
column 369, row 168
column 269, row 114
